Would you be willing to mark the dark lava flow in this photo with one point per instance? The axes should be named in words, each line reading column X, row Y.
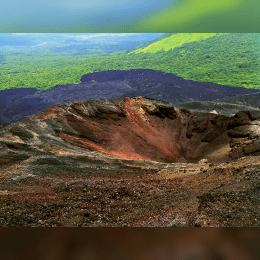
column 16, row 104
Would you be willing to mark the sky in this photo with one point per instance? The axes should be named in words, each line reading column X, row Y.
column 119, row 16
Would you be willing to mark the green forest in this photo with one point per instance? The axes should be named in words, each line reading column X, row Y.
column 227, row 59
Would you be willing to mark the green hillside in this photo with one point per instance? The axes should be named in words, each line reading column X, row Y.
column 175, row 41
column 227, row 59
column 144, row 45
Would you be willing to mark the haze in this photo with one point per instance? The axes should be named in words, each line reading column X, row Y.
column 75, row 15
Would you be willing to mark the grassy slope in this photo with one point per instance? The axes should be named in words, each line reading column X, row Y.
column 174, row 41
column 233, row 60
column 144, row 45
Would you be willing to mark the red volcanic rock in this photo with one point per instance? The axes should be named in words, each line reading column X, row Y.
column 132, row 128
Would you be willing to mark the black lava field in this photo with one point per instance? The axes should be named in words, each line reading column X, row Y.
column 16, row 104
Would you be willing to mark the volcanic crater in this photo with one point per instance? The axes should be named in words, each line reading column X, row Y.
column 135, row 128
column 99, row 140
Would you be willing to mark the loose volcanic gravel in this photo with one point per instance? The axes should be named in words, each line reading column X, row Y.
column 216, row 195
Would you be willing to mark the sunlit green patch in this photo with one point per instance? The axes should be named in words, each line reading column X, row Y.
column 174, row 41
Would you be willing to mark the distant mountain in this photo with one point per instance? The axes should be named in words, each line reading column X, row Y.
column 82, row 42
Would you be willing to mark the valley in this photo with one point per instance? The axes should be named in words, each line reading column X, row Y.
column 230, row 59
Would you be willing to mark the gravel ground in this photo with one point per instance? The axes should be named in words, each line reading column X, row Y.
column 205, row 194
